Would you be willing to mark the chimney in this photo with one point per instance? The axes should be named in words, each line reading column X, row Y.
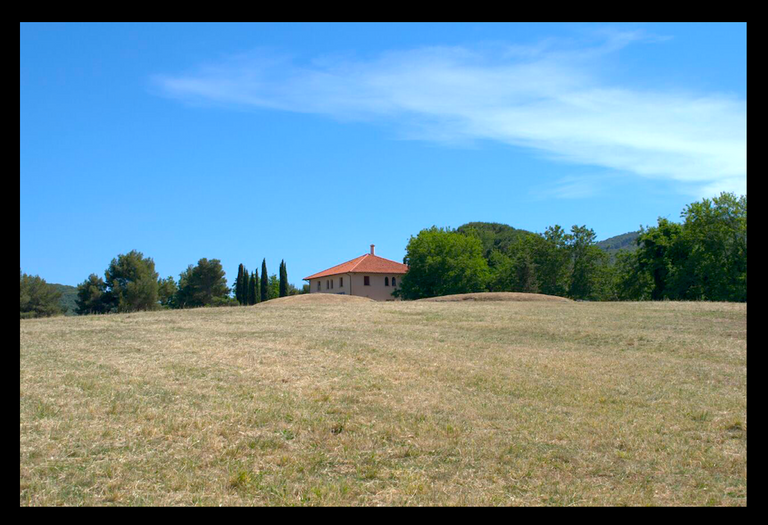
column 373, row 252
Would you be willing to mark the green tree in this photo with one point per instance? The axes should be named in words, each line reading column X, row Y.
column 283, row 279
column 264, row 288
column 274, row 286
column 705, row 258
column 715, row 236
column 245, row 298
column 37, row 297
column 588, row 263
column 132, row 283
column 502, row 274
column 203, row 285
column 239, row 284
column 631, row 282
column 661, row 255
column 525, row 271
column 513, row 273
column 91, row 296
column 253, row 288
column 443, row 262
column 166, row 292
column 550, row 254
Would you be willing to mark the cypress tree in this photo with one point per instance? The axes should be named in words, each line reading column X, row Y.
column 239, row 284
column 264, row 281
column 253, row 284
column 283, row 279
column 246, row 286
column 256, row 295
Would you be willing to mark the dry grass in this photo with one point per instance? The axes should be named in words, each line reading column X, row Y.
column 316, row 298
column 404, row 403
column 497, row 296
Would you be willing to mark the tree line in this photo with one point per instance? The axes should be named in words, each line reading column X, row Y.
column 249, row 289
column 702, row 258
column 130, row 283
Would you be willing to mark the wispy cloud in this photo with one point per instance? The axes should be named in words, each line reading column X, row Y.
column 550, row 97
column 574, row 187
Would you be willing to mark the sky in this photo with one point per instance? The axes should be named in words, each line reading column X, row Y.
column 310, row 142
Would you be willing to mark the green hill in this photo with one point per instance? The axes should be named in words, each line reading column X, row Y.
column 625, row 241
column 493, row 235
column 68, row 297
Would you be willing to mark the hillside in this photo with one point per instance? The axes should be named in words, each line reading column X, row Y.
column 497, row 296
column 68, row 298
column 399, row 403
column 625, row 241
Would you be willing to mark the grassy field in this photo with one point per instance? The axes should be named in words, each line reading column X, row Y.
column 363, row 403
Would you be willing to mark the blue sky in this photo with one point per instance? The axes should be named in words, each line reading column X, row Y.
column 309, row 142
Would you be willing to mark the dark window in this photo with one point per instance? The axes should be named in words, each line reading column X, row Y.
column 318, row 286
column 366, row 281
column 341, row 282
column 331, row 284
column 393, row 282
column 386, row 281
column 327, row 284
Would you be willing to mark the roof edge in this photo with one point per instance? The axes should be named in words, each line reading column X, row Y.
column 353, row 269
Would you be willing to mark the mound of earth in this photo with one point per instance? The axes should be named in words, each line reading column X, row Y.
column 317, row 298
column 498, row 296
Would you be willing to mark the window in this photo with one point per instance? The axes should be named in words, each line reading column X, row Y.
column 327, row 284
column 393, row 282
column 386, row 281
column 341, row 282
column 331, row 284
column 318, row 286
column 366, row 281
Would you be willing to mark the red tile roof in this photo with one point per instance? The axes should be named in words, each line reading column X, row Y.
column 364, row 264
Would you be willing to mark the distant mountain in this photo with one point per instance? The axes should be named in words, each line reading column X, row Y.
column 625, row 241
column 68, row 297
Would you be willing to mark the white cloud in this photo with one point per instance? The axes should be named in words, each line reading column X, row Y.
column 550, row 97
column 571, row 187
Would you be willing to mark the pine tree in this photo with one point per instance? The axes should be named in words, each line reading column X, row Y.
column 37, row 297
column 264, row 282
column 283, row 279
column 203, row 285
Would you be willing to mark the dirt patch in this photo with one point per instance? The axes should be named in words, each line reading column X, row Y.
column 316, row 298
column 498, row 296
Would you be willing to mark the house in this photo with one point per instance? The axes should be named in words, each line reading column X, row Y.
column 367, row 276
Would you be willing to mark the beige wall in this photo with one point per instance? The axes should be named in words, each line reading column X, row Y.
column 376, row 291
column 323, row 284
